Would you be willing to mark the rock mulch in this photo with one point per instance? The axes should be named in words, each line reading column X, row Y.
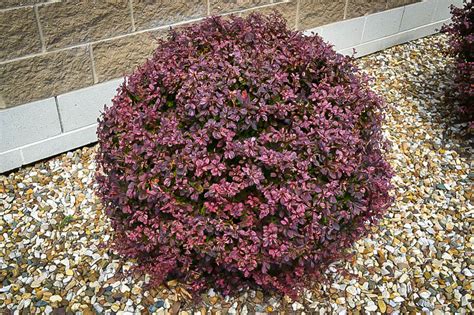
column 419, row 259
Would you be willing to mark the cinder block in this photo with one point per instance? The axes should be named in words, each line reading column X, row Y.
column 118, row 57
column 382, row 24
column 443, row 11
column 226, row 6
column 67, row 23
column 286, row 8
column 419, row 32
column 82, row 107
column 151, row 14
column 417, row 14
column 61, row 143
column 314, row 13
column 10, row 160
column 28, row 123
column 356, row 8
column 4, row 4
column 398, row 3
column 345, row 33
column 19, row 33
column 41, row 76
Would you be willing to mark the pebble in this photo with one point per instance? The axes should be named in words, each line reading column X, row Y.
column 382, row 306
column 371, row 307
column 55, row 299
column 352, row 290
column 115, row 307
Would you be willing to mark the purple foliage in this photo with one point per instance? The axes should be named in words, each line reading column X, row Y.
column 461, row 31
column 242, row 154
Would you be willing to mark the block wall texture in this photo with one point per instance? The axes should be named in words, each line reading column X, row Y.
column 53, row 47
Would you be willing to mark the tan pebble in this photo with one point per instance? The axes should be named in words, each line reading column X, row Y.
column 115, row 307
column 47, row 295
column 55, row 299
column 340, row 300
column 26, row 296
column 69, row 272
column 382, row 306
column 405, row 147
column 449, row 226
column 75, row 307
column 186, row 294
column 87, row 311
column 381, row 256
column 35, row 284
column 136, row 290
column 39, row 294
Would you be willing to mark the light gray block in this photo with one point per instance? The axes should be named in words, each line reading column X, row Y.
column 395, row 39
column 419, row 32
column 417, row 14
column 10, row 160
column 443, row 11
column 382, row 24
column 345, row 33
column 28, row 123
column 62, row 143
column 82, row 107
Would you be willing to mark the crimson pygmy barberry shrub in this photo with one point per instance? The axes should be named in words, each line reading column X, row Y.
column 461, row 32
column 242, row 153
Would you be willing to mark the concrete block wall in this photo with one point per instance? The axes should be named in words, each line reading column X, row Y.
column 61, row 61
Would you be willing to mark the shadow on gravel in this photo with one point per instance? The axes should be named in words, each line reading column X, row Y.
column 442, row 108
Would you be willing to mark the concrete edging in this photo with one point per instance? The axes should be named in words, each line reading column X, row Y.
column 37, row 130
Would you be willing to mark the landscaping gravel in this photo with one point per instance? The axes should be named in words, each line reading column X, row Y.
column 53, row 232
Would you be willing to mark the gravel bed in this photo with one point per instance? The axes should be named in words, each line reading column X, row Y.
column 53, row 231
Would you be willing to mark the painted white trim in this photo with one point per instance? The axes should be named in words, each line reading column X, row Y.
column 77, row 110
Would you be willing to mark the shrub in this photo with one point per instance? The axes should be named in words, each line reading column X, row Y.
column 242, row 154
column 461, row 32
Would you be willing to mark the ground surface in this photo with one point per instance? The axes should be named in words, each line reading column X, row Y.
column 52, row 229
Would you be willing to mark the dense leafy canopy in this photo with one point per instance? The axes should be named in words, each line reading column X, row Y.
column 242, row 153
column 461, row 31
